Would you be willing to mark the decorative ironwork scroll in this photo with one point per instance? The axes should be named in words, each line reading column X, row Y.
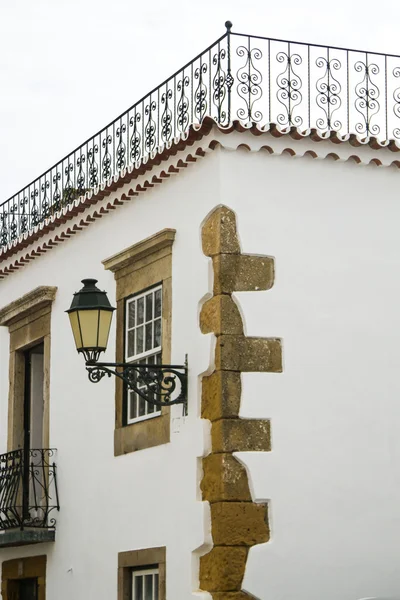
column 249, row 84
column 166, row 117
column 156, row 384
column 183, row 104
column 200, row 95
column 396, row 98
column 219, row 86
column 289, row 85
column 328, row 96
column 121, row 148
column 367, row 94
column 135, row 141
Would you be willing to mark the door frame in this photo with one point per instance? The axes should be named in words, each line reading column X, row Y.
column 33, row 567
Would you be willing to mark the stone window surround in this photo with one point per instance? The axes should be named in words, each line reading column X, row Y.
column 141, row 266
column 127, row 561
column 23, row 568
column 28, row 319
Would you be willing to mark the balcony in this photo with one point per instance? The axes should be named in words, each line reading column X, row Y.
column 28, row 497
column 255, row 80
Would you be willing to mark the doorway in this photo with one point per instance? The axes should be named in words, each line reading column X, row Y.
column 33, row 479
column 23, row 589
column 34, row 397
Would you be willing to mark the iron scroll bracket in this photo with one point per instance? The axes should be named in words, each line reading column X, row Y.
column 156, row 384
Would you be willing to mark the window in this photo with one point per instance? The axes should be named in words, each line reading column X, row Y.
column 143, row 344
column 24, row 578
column 142, row 574
column 145, row 584
column 143, row 276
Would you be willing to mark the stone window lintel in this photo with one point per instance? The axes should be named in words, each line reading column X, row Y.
column 140, row 250
column 27, row 305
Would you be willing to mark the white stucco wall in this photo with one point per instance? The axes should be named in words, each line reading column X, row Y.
column 333, row 476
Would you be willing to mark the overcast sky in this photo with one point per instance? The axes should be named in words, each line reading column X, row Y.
column 68, row 67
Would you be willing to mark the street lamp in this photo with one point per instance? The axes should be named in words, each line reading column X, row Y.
column 90, row 316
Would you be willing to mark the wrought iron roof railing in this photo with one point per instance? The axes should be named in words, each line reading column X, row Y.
column 253, row 79
column 28, row 489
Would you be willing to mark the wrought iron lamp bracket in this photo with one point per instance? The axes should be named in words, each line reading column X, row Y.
column 156, row 384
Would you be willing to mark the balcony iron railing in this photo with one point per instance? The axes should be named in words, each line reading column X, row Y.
column 28, row 489
column 253, row 79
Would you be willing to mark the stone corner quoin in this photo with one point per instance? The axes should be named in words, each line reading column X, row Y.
column 237, row 522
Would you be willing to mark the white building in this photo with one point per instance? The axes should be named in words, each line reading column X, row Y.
column 262, row 166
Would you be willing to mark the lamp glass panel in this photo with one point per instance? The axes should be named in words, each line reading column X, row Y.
column 104, row 327
column 73, row 318
column 89, row 322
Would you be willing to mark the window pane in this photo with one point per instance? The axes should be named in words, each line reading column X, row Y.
column 149, row 336
column 131, row 314
column 131, row 342
column 139, row 340
column 149, row 307
column 157, row 333
column 133, row 408
column 157, row 304
column 140, row 311
column 148, row 587
column 142, row 406
column 138, row 588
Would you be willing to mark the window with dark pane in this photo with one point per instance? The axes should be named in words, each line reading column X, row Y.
column 145, row 584
column 143, row 344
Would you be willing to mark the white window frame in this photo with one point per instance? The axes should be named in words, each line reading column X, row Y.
column 141, row 358
column 142, row 573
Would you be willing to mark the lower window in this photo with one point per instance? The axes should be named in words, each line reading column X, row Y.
column 145, row 584
column 142, row 574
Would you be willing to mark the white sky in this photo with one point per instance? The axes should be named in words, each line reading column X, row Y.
column 68, row 67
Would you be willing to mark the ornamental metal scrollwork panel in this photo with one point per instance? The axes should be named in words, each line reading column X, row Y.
column 219, row 86
column 45, row 199
column 367, row 94
column 135, row 140
column 107, row 160
column 396, row 98
column 150, row 128
column 289, row 86
column 57, row 192
column 35, row 218
column 200, row 95
column 24, row 217
column 69, row 191
column 182, row 116
column 13, row 225
column 81, row 178
column 93, row 166
column 166, row 117
column 121, row 147
column 4, row 228
column 328, row 96
column 249, row 84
